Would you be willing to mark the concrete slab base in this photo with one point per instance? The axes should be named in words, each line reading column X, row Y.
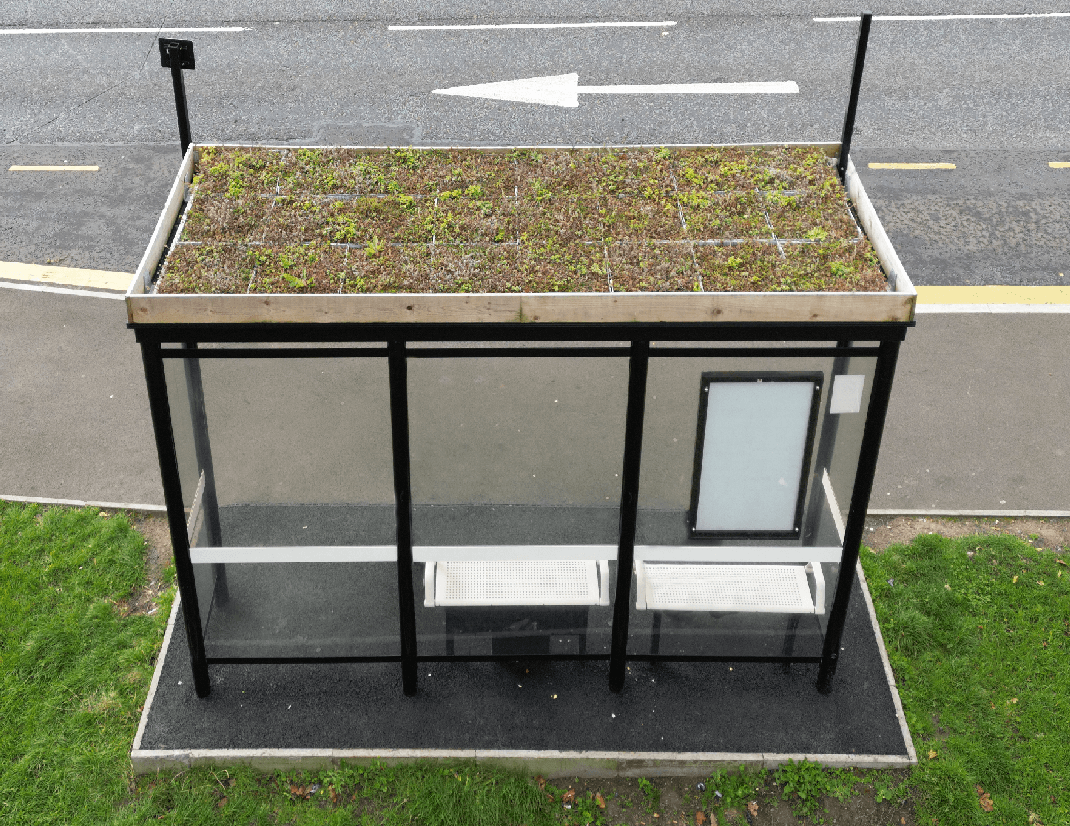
column 554, row 719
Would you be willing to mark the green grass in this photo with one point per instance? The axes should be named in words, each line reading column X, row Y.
column 73, row 672
column 981, row 652
column 978, row 633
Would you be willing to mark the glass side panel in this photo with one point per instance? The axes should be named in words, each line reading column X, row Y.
column 286, row 459
column 509, row 453
column 296, row 451
column 299, row 609
column 726, row 595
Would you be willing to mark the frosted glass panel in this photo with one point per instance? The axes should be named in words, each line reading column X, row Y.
column 753, row 452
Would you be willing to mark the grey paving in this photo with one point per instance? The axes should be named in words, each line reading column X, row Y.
column 73, row 406
column 978, row 415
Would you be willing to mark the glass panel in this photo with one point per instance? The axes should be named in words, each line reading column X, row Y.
column 754, row 621
column 300, row 609
column 281, row 462
column 510, row 455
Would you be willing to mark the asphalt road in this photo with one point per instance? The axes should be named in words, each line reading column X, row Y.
column 955, row 84
column 977, row 419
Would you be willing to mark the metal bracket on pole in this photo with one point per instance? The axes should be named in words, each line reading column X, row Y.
column 852, row 104
column 177, row 55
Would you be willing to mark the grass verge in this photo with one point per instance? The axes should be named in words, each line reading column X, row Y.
column 978, row 631
column 74, row 664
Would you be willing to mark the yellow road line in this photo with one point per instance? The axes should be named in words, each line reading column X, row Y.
column 911, row 165
column 1059, row 164
column 994, row 294
column 67, row 276
column 17, row 168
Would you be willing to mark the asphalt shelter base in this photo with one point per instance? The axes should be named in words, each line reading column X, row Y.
column 557, row 718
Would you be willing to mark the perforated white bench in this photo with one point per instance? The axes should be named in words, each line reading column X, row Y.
column 721, row 579
column 516, row 582
column 727, row 587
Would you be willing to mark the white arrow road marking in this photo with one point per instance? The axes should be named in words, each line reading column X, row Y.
column 563, row 90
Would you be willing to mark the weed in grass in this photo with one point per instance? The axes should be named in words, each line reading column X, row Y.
column 732, row 789
column 651, row 794
column 886, row 790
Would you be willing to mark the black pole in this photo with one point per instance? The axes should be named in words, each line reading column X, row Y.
column 852, row 103
column 178, row 55
column 879, row 397
column 399, row 428
column 638, row 362
column 160, row 411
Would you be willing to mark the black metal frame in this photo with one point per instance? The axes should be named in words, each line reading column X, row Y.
column 185, row 342
column 806, row 377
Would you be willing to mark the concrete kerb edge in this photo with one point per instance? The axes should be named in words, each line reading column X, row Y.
column 550, row 764
column 912, row 755
column 82, row 503
column 156, row 673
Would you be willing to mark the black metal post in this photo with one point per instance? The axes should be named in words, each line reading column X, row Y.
column 177, row 55
column 399, row 427
column 879, row 397
column 160, row 411
column 638, row 362
column 852, row 103
column 203, row 449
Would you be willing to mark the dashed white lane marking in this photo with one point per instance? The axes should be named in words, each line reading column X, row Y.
column 910, row 165
column 924, row 17
column 486, row 26
column 37, row 276
column 126, row 30
column 59, row 168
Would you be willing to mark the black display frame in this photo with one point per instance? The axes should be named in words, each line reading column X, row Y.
column 808, row 377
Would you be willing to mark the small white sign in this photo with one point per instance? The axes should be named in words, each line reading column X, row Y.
column 847, row 394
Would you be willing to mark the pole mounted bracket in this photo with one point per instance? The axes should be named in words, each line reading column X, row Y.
column 176, row 50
